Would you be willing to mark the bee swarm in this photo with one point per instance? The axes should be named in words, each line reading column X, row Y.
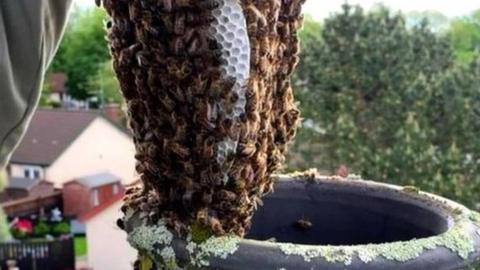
column 210, row 104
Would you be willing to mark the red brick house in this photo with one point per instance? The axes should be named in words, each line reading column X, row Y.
column 21, row 187
column 24, row 196
column 86, row 193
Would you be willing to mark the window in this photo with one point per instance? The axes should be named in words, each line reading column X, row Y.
column 32, row 172
column 26, row 173
column 95, row 200
column 116, row 189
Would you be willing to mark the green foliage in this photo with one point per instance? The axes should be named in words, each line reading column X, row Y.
column 4, row 230
column 61, row 228
column 44, row 101
column 83, row 50
column 389, row 102
column 3, row 179
column 105, row 84
column 20, row 234
column 465, row 35
column 41, row 229
column 437, row 21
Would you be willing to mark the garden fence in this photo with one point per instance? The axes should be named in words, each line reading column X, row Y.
column 41, row 255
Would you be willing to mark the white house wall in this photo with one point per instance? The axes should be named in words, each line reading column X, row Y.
column 17, row 170
column 106, row 244
column 100, row 148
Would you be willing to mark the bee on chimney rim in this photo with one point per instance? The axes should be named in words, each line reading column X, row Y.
column 304, row 224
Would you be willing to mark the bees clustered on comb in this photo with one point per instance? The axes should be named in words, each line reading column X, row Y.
column 207, row 136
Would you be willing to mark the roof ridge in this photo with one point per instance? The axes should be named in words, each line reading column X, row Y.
column 86, row 111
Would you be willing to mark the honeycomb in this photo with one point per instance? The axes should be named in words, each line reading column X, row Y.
column 229, row 29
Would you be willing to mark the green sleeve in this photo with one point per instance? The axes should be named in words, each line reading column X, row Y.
column 30, row 31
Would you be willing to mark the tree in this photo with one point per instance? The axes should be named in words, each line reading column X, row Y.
column 105, row 85
column 83, row 50
column 389, row 102
column 4, row 230
column 45, row 101
column 465, row 35
column 437, row 21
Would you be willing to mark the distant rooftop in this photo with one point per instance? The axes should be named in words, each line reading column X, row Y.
column 50, row 133
column 98, row 180
column 22, row 183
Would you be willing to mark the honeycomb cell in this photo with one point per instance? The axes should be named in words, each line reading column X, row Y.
column 230, row 31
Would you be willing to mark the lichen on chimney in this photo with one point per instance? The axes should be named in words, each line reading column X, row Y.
column 156, row 242
column 457, row 239
column 214, row 247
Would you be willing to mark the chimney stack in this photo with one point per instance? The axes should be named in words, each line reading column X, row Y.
column 113, row 112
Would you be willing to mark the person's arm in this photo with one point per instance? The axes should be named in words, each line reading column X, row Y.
column 30, row 31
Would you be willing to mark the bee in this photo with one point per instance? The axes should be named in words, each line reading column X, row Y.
column 184, row 71
column 304, row 224
column 276, row 6
column 139, row 167
column 202, row 216
column 190, row 32
column 257, row 202
column 198, row 45
column 208, row 149
column 226, row 195
column 179, row 24
column 180, row 130
column 188, row 167
column 410, row 189
column 184, row 3
column 226, row 127
column 256, row 16
column 248, row 174
column 179, row 150
column 167, row 5
column 207, row 4
column 130, row 191
column 167, row 102
column 207, row 198
column 152, row 151
column 247, row 150
column 295, row 8
column 342, row 171
column 177, row 45
column 216, row 226
column 240, row 230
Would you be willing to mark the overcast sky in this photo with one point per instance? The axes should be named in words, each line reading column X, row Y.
column 322, row 8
